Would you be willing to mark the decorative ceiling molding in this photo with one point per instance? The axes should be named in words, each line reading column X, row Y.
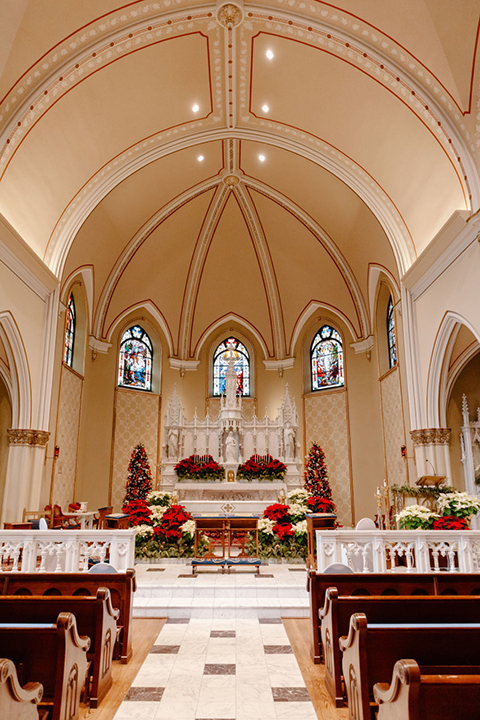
column 183, row 365
column 140, row 236
column 233, row 319
column 199, row 256
column 302, row 144
column 326, row 241
column 266, row 268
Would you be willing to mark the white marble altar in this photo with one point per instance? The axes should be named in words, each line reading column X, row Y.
column 231, row 437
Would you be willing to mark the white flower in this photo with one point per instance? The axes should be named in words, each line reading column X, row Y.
column 144, row 530
column 298, row 495
column 188, row 527
column 266, row 526
column 297, row 509
column 458, row 501
column 416, row 511
column 300, row 527
column 157, row 511
column 159, row 495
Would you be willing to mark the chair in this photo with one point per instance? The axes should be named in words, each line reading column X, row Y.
column 338, row 569
column 102, row 567
column 62, row 520
column 99, row 522
column 365, row 524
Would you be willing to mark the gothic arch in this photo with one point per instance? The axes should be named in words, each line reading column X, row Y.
column 19, row 384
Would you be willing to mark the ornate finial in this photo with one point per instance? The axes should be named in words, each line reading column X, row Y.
column 230, row 15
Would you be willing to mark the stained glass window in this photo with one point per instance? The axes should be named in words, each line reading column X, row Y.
column 326, row 355
column 135, row 359
column 69, row 333
column 242, row 366
column 392, row 342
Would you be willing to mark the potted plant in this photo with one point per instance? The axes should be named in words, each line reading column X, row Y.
column 202, row 468
column 261, row 467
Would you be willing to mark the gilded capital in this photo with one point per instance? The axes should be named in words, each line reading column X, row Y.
column 37, row 438
column 431, row 436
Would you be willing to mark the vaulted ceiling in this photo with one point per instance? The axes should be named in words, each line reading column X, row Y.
column 333, row 138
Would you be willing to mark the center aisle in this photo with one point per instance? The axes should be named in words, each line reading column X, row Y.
column 219, row 669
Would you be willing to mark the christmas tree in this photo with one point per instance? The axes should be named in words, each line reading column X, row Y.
column 316, row 478
column 139, row 482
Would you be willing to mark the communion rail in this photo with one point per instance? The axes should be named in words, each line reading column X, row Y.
column 381, row 551
column 65, row 550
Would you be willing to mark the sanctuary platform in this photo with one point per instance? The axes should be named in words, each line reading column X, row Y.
column 170, row 590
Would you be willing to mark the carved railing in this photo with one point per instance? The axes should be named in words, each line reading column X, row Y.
column 65, row 550
column 413, row 551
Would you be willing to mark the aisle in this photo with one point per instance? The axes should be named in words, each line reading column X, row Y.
column 219, row 669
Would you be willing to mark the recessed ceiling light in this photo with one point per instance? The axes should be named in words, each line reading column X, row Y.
column 265, row 108
column 269, row 54
column 195, row 108
column 200, row 158
column 261, row 158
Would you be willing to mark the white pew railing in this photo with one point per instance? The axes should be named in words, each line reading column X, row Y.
column 421, row 551
column 65, row 550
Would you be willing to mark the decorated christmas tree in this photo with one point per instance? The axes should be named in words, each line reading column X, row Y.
column 139, row 482
column 316, row 481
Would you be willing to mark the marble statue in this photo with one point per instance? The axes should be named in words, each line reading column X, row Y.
column 230, row 448
column 289, row 440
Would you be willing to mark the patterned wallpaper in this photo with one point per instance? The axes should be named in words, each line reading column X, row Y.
column 326, row 425
column 136, row 420
column 69, row 409
column 393, row 427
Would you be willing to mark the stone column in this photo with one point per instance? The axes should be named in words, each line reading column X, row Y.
column 432, row 445
column 26, row 458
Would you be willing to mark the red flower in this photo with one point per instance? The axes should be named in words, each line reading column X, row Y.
column 283, row 531
column 320, row 505
column 278, row 512
column 450, row 522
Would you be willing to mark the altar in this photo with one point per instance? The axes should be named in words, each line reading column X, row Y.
column 230, row 438
column 228, row 496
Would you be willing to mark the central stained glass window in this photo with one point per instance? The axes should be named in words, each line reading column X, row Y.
column 135, row 359
column 242, row 366
column 326, row 355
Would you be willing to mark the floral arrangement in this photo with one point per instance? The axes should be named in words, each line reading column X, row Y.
column 261, row 467
column 317, row 504
column 460, row 504
column 163, row 527
column 416, row 517
column 450, row 522
column 199, row 468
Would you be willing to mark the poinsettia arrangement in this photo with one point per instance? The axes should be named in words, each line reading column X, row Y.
column 450, row 522
column 318, row 504
column 199, row 468
column 261, row 467
column 138, row 512
column 172, row 522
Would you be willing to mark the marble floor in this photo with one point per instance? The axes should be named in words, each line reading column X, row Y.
column 219, row 669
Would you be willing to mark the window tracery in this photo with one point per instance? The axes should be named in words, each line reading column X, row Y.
column 242, row 366
column 326, row 359
column 135, row 359
column 69, row 332
column 392, row 341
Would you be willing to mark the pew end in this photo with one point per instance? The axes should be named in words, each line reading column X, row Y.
column 17, row 702
column 413, row 695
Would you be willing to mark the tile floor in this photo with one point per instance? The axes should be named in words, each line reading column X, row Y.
column 219, row 669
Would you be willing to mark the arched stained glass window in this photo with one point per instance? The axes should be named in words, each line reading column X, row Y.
column 326, row 355
column 392, row 342
column 242, row 366
column 69, row 333
column 135, row 359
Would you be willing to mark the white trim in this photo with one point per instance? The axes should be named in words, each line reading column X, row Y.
column 363, row 346
column 154, row 312
column 310, row 310
column 20, row 386
column 42, row 415
column 280, row 365
column 410, row 338
column 26, row 275
column 457, row 368
column 183, row 365
column 98, row 346
column 231, row 317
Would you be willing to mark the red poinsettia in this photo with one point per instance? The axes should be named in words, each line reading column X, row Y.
column 279, row 513
column 284, row 531
column 262, row 466
column 172, row 520
column 138, row 512
column 450, row 522
column 205, row 468
column 320, row 505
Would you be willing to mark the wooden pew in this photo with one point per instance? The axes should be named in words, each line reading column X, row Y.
column 54, row 655
column 371, row 651
column 95, row 619
column 17, row 702
column 412, row 695
column 337, row 611
column 121, row 586
column 383, row 584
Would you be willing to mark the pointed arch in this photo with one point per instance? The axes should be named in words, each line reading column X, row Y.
column 20, row 383
column 233, row 318
column 438, row 380
column 153, row 311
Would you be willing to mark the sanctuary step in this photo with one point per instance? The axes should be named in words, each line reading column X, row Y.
column 172, row 591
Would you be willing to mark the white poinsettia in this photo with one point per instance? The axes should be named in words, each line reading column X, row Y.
column 157, row 497
column 144, row 531
column 298, row 496
column 460, row 504
column 266, row 526
column 416, row 517
column 300, row 527
column 297, row 509
column 188, row 527
column 157, row 511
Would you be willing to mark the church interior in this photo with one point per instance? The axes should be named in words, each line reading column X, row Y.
column 288, row 190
